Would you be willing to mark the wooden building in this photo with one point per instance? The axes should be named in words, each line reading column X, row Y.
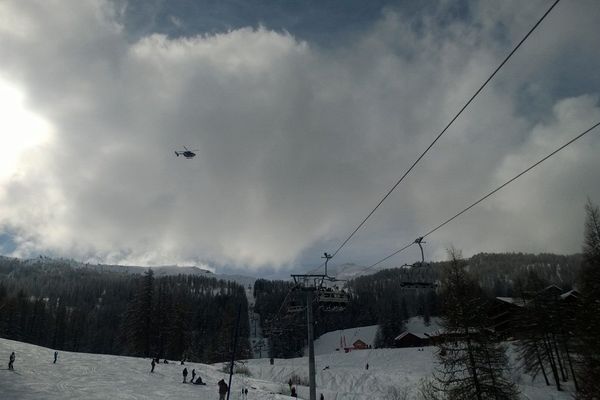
column 360, row 345
column 409, row 339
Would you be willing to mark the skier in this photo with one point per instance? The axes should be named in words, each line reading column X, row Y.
column 290, row 384
column 153, row 363
column 193, row 374
column 294, row 394
column 184, row 375
column 223, row 389
column 367, row 366
column 55, row 356
column 322, row 397
column 11, row 361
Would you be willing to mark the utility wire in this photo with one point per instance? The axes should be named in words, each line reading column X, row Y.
column 389, row 192
column 486, row 196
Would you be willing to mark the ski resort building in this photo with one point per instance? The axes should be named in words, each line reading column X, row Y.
column 505, row 311
column 418, row 333
column 409, row 339
column 360, row 345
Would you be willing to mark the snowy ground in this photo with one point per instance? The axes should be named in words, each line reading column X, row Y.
column 91, row 376
column 330, row 341
column 95, row 376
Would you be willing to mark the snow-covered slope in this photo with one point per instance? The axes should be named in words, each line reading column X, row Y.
column 96, row 376
column 91, row 376
column 330, row 342
column 342, row 376
column 333, row 341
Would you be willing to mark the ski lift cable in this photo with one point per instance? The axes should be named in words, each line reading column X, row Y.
column 512, row 179
column 443, row 131
column 486, row 196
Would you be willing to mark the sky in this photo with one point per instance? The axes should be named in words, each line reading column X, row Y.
column 304, row 115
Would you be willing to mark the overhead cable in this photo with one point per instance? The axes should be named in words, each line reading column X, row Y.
column 486, row 196
column 389, row 192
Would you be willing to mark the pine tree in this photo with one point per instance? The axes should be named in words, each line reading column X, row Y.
column 58, row 338
column 391, row 320
column 139, row 319
column 472, row 364
column 539, row 326
column 588, row 317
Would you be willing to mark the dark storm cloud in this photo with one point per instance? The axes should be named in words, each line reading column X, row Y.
column 297, row 142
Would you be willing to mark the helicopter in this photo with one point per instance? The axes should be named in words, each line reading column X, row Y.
column 187, row 153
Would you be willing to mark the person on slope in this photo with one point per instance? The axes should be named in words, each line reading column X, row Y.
column 11, row 361
column 185, row 375
column 294, row 394
column 199, row 381
column 193, row 375
column 322, row 397
column 223, row 389
column 153, row 363
column 55, row 357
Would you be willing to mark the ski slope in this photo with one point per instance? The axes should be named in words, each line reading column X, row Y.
column 98, row 376
column 330, row 342
column 93, row 376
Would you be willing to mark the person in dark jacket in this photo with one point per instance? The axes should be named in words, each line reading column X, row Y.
column 223, row 389
column 322, row 397
column 199, row 381
column 294, row 394
column 184, row 375
column 153, row 363
column 55, row 357
column 11, row 361
column 193, row 375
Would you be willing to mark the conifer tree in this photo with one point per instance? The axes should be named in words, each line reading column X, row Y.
column 139, row 317
column 392, row 315
column 538, row 326
column 588, row 317
column 472, row 364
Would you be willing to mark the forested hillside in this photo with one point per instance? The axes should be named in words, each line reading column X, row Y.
column 85, row 310
column 383, row 298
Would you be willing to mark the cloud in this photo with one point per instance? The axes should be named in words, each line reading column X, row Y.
column 296, row 142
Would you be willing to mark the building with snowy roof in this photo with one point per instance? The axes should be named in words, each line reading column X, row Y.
column 418, row 333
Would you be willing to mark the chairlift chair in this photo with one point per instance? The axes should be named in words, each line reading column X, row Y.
column 417, row 265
